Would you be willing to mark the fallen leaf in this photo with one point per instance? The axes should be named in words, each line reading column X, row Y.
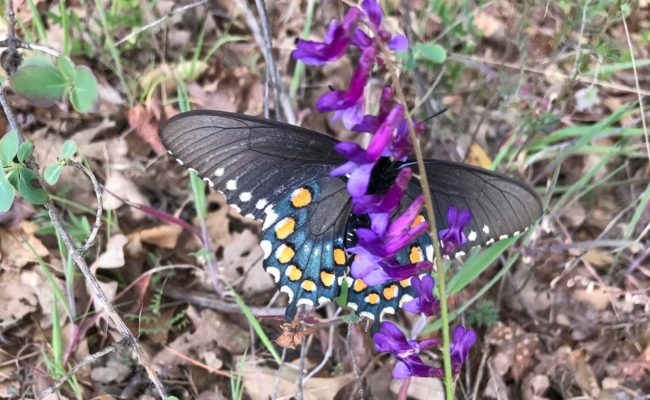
column 18, row 298
column 14, row 252
column 421, row 388
column 478, row 157
column 140, row 119
column 113, row 256
column 165, row 236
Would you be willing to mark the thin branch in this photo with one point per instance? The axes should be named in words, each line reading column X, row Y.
column 638, row 88
column 160, row 20
column 276, row 381
column 271, row 67
column 89, row 359
column 301, row 368
column 355, row 367
column 90, row 241
column 29, row 46
column 210, row 301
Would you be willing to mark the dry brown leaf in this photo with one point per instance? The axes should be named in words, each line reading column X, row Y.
column 421, row 388
column 259, row 382
column 599, row 258
column 14, row 252
column 165, row 236
column 18, row 297
column 478, row 157
column 598, row 298
column 113, row 256
column 489, row 25
column 243, row 255
column 140, row 119
column 118, row 185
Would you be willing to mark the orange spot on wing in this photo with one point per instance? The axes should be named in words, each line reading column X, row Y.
column 285, row 227
column 417, row 220
column 415, row 254
column 284, row 253
column 301, row 197
column 405, row 282
column 339, row 256
column 390, row 292
column 359, row 285
column 308, row 285
column 294, row 273
column 372, row 298
column 327, row 278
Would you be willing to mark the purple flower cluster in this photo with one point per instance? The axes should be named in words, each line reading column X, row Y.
column 375, row 252
column 348, row 104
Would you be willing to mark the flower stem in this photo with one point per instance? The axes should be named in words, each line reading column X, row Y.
column 433, row 230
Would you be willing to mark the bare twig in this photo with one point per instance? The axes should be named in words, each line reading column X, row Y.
column 638, row 88
column 209, row 301
column 160, row 20
column 90, row 241
column 276, row 381
column 301, row 368
column 29, row 46
column 271, row 67
column 89, row 359
column 283, row 101
column 355, row 367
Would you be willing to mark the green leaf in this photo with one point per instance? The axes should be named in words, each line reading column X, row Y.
column 7, row 193
column 29, row 187
column 68, row 150
column 39, row 82
column 24, row 151
column 84, row 91
column 9, row 145
column 66, row 67
column 52, row 173
column 431, row 52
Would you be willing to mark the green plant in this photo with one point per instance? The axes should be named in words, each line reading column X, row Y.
column 43, row 83
column 16, row 176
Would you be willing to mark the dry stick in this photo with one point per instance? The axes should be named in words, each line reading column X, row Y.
column 355, row 368
column 78, row 259
column 29, row 46
column 90, row 359
column 284, row 101
column 433, row 229
column 638, row 88
column 90, row 241
column 301, row 367
column 271, row 67
column 160, row 20
column 276, row 381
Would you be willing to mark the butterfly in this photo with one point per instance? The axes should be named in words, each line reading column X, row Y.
column 280, row 174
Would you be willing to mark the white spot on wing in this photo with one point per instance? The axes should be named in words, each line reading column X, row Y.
column 503, row 237
column 179, row 161
column 267, row 248
column 193, row 170
column 275, row 273
column 486, row 229
column 323, row 300
column 366, row 314
column 270, row 218
column 245, row 196
column 353, row 306
column 219, row 172
column 405, row 298
column 235, row 207
column 287, row 290
column 429, row 251
column 261, row 203
column 231, row 184
column 307, row 302
column 472, row 236
column 489, row 242
column 386, row 310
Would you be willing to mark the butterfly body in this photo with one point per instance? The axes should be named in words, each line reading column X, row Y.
column 280, row 174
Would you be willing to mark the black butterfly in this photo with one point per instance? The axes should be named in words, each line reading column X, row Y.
column 279, row 173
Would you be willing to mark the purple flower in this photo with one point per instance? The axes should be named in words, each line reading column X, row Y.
column 463, row 340
column 385, row 237
column 336, row 42
column 373, row 11
column 426, row 302
column 349, row 104
column 370, row 123
column 390, row 339
column 383, row 203
column 453, row 237
column 375, row 261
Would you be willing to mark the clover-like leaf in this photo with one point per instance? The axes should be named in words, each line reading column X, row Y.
column 30, row 188
column 68, row 150
column 7, row 193
column 24, row 150
column 52, row 173
column 9, row 145
column 40, row 82
column 84, row 90
column 66, row 67
column 430, row 51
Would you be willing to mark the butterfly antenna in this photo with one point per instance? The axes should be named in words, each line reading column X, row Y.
column 443, row 110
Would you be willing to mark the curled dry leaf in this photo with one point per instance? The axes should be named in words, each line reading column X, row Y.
column 119, row 188
column 18, row 297
column 293, row 333
column 165, row 236
column 140, row 119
